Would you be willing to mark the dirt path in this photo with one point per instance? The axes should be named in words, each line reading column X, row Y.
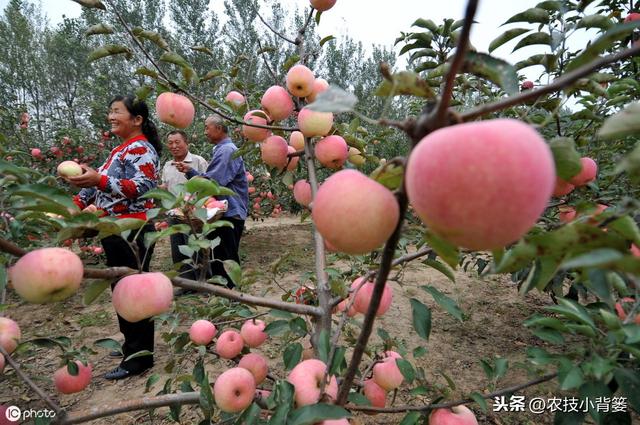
column 493, row 327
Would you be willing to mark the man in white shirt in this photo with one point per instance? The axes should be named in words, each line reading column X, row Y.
column 178, row 145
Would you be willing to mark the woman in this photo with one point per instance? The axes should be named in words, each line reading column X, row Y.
column 116, row 189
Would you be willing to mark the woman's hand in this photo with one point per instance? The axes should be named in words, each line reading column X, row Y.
column 89, row 178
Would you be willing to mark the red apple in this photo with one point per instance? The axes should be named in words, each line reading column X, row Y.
column 9, row 334
column 306, row 378
column 67, row 383
column 457, row 415
column 202, row 332
column 256, row 364
column 229, row 344
column 252, row 332
column 234, row 390
column 141, row 296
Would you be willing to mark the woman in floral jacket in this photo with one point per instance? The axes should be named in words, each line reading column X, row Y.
column 115, row 188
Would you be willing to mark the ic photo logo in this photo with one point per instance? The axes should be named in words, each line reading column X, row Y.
column 13, row 413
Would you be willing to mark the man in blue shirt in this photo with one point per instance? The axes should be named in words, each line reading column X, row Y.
column 228, row 172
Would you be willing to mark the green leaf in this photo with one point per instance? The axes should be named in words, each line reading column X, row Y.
column 141, row 353
column 153, row 379
column 506, row 37
column 447, row 251
column 549, row 61
column 311, row 414
column 627, row 228
column 570, row 377
column 533, row 39
column 480, row 400
column 549, row 335
column 595, row 49
column 292, row 355
column 109, row 50
column 153, row 36
column 326, row 39
column 572, row 311
column 448, row 304
column 276, row 327
column 99, row 29
column 595, row 21
column 624, row 123
column 149, row 73
column 279, row 314
column 405, row 83
column 629, row 381
column 174, row 58
column 94, row 289
column 421, row 318
column 206, row 397
column 108, row 343
column 206, row 187
column 233, row 270
column 596, row 258
column 337, row 362
column 406, row 369
column 91, row 4
column 334, row 99
column 442, row 268
column 324, row 346
column 411, row 418
column 551, row 5
column 142, row 93
column 202, row 49
column 388, row 175
column 426, row 23
column 565, row 156
column 533, row 15
column 493, row 69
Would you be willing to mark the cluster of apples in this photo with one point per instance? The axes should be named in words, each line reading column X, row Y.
column 264, row 202
column 66, row 147
column 235, row 389
column 588, row 173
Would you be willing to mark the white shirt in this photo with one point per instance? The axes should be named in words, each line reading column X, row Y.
column 172, row 177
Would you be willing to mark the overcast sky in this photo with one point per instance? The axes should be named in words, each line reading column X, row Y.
column 380, row 22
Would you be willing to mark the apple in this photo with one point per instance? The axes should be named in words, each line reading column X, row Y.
column 175, row 109
column 256, row 134
column 256, row 364
column 457, row 415
column 332, row 152
column 307, row 377
column 141, row 296
column 56, row 151
column 343, row 421
column 376, row 395
column 236, row 99
column 277, row 103
column 234, row 390
column 635, row 251
column 354, row 213
column 312, row 123
column 363, row 296
column 387, row 374
column 263, row 394
column 567, row 214
column 322, row 5
column 229, row 344
column 562, row 187
column 249, row 177
column 69, row 169
column 2, row 363
column 47, row 275
column 632, row 17
column 252, row 332
column 319, row 85
column 293, row 161
column 620, row 309
column 9, row 334
column 274, row 151
column 202, row 332
column 36, row 153
column 481, row 185
column 67, row 383
column 343, row 305
column 300, row 80
column 302, row 192
column 587, row 174
column 98, row 250
column 296, row 140
column 251, row 189
column 527, row 85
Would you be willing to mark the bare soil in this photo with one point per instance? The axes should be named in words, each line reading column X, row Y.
column 493, row 327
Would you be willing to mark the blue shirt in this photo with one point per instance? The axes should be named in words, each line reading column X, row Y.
column 228, row 172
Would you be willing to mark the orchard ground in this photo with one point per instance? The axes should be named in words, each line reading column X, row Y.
column 492, row 304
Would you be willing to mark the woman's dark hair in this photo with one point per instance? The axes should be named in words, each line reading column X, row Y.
column 138, row 107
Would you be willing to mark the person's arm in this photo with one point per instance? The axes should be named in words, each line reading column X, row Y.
column 143, row 163
column 222, row 168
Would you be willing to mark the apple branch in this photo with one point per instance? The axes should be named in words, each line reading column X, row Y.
column 440, row 118
column 428, row 407
column 381, row 278
column 124, row 406
column 556, row 85
column 266, row 62
column 10, row 248
column 23, row 376
column 274, row 31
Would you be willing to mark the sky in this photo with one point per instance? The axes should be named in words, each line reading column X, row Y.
column 380, row 22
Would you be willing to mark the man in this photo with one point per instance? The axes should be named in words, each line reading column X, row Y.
column 178, row 145
column 230, row 173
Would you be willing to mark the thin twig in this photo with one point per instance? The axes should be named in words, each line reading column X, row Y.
column 242, row 319
column 427, row 407
column 266, row 63
column 59, row 410
column 274, row 31
column 456, row 65
column 556, row 85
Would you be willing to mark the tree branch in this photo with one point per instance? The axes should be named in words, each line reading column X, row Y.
column 10, row 248
column 367, row 326
column 59, row 410
column 440, row 117
column 556, row 85
column 427, row 407
column 124, row 406
column 274, row 31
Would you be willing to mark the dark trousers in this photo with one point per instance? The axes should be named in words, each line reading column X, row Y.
column 187, row 271
column 138, row 336
column 228, row 247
